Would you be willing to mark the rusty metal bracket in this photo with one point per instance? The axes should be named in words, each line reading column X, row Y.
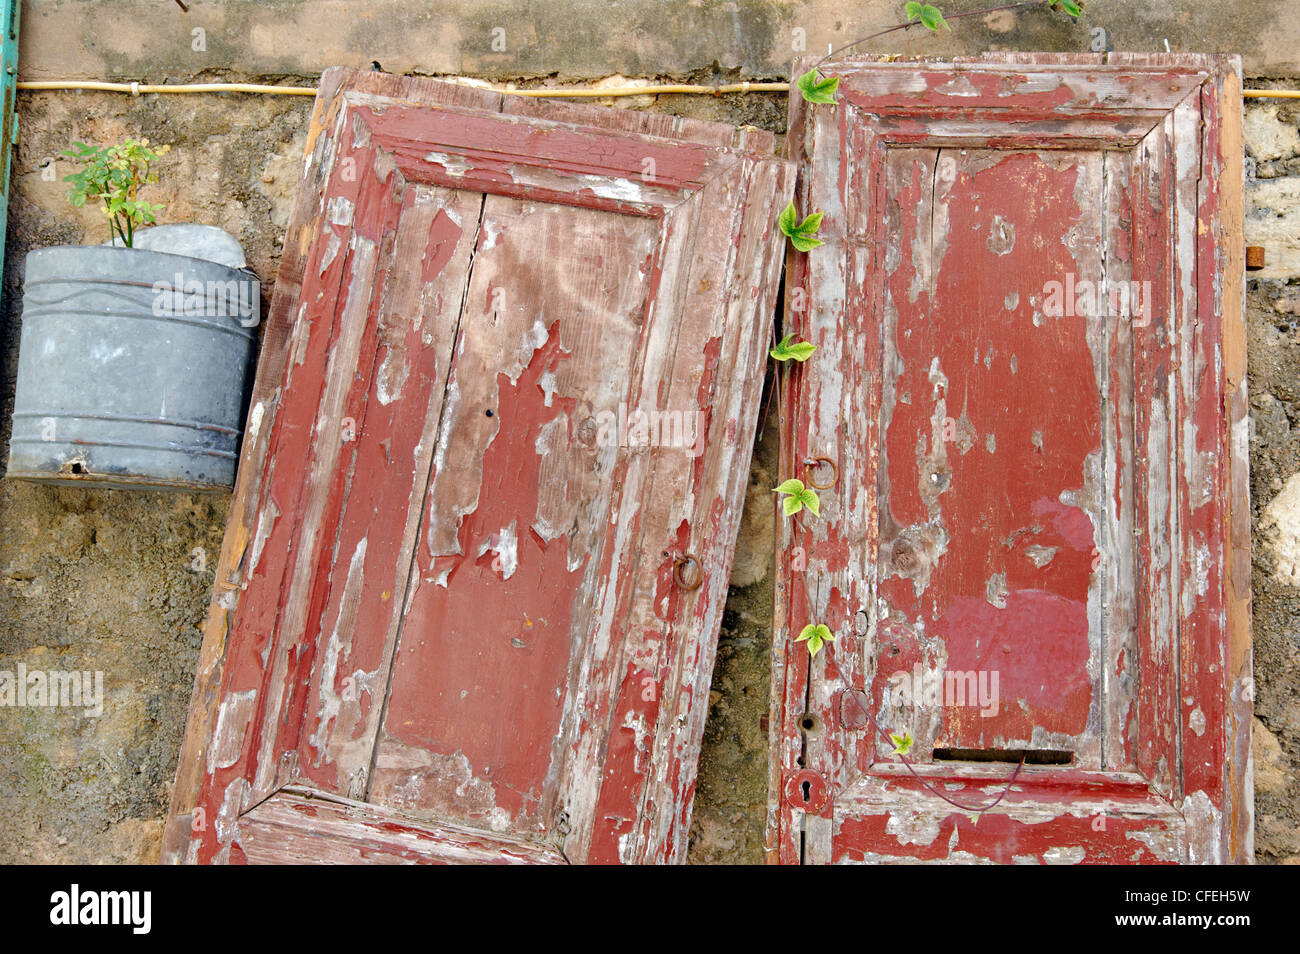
column 812, row 464
column 679, row 573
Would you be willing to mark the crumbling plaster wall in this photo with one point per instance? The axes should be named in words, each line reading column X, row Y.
column 110, row 580
column 1273, row 365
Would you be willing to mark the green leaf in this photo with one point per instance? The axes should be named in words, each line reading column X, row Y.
column 114, row 175
column 902, row 743
column 798, row 497
column 797, row 351
column 809, row 499
column 816, row 635
column 801, row 350
column 913, row 10
column 816, row 90
column 932, row 19
column 1072, row 8
column 810, row 225
column 786, row 220
column 802, row 235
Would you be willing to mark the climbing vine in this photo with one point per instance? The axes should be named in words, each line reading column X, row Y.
column 816, row 89
column 803, row 235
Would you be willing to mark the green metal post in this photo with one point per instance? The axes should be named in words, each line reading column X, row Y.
column 9, row 132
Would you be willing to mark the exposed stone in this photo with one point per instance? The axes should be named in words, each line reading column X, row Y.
column 1268, row 418
column 1270, row 764
column 1268, row 137
column 618, row 81
column 1273, row 221
column 1281, row 528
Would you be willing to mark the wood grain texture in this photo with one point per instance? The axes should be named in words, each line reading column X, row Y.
column 510, row 380
column 1054, row 497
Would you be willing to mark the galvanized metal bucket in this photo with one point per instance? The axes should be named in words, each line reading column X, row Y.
column 132, row 369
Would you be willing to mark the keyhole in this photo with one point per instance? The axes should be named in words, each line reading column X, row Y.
column 806, row 787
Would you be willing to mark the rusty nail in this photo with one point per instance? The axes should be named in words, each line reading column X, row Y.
column 1254, row 256
column 679, row 573
column 810, row 466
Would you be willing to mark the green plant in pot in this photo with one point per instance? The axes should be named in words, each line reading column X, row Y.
column 134, row 356
column 114, row 175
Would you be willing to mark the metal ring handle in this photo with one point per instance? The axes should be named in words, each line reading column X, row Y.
column 679, row 573
column 811, row 465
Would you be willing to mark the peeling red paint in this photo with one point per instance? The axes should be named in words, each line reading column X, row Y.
column 446, row 627
column 1039, row 493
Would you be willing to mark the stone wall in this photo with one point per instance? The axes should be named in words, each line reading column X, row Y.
column 1273, row 323
column 113, row 580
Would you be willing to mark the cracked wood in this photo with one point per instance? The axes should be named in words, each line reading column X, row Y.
column 445, row 625
column 1028, row 315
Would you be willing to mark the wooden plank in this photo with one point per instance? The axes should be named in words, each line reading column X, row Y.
column 366, row 569
column 1157, row 448
column 1121, row 673
column 299, row 827
column 1219, row 762
column 809, row 564
column 186, row 818
column 1222, row 191
column 503, row 584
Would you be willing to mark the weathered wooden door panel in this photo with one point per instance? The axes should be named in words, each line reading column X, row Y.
column 991, row 426
column 518, row 523
column 468, row 599
column 1030, row 378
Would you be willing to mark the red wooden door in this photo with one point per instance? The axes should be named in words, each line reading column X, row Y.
column 1030, row 376
column 468, row 600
